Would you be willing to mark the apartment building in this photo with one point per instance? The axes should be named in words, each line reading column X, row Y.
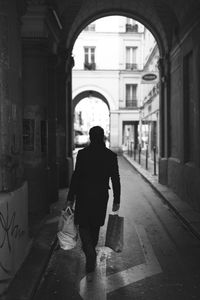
column 109, row 65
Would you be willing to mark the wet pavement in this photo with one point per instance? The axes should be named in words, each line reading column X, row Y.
column 160, row 260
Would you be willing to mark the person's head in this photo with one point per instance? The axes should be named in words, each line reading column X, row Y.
column 96, row 134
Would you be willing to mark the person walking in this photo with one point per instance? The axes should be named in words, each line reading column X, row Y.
column 95, row 165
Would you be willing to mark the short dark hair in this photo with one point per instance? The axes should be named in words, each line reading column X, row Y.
column 96, row 134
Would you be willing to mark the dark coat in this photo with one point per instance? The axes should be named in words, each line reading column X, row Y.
column 95, row 165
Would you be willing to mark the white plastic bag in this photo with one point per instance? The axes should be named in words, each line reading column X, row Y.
column 67, row 234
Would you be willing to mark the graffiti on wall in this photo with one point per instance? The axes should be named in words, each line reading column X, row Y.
column 9, row 229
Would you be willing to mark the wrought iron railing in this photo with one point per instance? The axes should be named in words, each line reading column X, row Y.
column 131, row 104
column 89, row 66
column 130, row 66
column 131, row 28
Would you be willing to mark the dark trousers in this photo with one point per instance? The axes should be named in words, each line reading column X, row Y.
column 89, row 235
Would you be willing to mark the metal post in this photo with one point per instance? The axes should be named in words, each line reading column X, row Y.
column 147, row 158
column 139, row 154
column 131, row 149
column 128, row 149
column 154, row 156
column 134, row 152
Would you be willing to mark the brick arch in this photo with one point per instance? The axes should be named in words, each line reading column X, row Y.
column 143, row 11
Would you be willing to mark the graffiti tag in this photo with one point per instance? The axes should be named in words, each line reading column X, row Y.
column 9, row 228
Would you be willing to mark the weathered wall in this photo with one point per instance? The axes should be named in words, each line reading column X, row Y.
column 13, row 190
column 14, row 239
column 11, row 171
column 184, row 167
column 44, row 106
column 35, row 118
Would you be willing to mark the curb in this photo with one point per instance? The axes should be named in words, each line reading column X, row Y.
column 185, row 213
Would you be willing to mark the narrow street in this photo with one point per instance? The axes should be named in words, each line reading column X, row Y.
column 160, row 260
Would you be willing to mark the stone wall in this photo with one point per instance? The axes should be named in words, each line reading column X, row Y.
column 184, row 160
column 11, row 171
column 14, row 241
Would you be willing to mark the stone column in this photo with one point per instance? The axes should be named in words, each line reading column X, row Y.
column 35, row 121
column 69, row 119
column 11, row 171
column 42, row 93
column 61, row 125
column 164, row 68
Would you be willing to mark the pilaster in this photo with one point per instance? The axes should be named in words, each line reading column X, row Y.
column 64, row 115
column 164, row 68
column 40, row 104
column 11, row 174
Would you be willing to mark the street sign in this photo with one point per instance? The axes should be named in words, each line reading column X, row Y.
column 149, row 76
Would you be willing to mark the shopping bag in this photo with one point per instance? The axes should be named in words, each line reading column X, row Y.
column 115, row 233
column 67, row 230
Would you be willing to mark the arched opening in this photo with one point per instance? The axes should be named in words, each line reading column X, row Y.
column 90, row 108
column 119, row 56
column 89, row 94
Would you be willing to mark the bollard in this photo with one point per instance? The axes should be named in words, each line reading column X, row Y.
column 134, row 153
column 147, row 154
column 139, row 154
column 131, row 149
column 154, row 159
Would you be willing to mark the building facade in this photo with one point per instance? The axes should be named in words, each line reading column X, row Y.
column 108, row 57
column 149, row 129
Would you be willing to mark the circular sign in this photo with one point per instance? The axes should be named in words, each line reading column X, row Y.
column 149, row 76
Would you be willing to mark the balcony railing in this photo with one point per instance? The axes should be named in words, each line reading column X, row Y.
column 131, row 28
column 131, row 104
column 90, row 27
column 89, row 66
column 131, row 66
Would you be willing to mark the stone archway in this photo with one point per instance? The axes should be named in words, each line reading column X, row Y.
column 92, row 94
column 89, row 93
column 116, row 117
column 170, row 29
column 157, row 17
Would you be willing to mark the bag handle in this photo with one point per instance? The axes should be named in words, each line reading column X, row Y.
column 69, row 210
column 115, row 212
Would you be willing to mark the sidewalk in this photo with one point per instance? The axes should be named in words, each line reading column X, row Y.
column 27, row 279
column 185, row 213
column 146, row 164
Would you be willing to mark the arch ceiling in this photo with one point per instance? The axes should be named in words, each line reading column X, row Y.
column 163, row 18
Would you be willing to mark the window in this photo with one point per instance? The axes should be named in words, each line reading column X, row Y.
column 28, row 134
column 131, row 26
column 131, row 58
column 89, row 62
column 189, row 109
column 131, row 95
